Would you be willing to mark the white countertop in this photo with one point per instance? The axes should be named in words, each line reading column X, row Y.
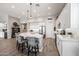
column 31, row 34
column 64, row 37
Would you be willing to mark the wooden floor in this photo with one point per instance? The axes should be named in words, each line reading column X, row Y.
column 8, row 48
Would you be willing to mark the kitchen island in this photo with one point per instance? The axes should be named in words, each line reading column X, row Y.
column 32, row 34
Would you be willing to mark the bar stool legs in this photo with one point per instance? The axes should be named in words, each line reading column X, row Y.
column 32, row 50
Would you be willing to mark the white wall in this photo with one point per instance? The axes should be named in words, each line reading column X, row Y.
column 75, row 15
column 64, row 17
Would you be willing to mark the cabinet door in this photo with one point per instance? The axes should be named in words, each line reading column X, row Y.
column 70, row 48
column 59, row 46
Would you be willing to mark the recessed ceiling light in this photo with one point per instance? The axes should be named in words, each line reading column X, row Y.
column 49, row 8
column 34, row 11
column 12, row 6
column 23, row 13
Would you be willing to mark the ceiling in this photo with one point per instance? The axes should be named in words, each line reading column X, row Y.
column 20, row 9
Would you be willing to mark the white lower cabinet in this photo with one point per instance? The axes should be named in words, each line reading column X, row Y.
column 59, row 46
column 67, row 47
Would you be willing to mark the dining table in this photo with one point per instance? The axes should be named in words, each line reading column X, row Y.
column 36, row 35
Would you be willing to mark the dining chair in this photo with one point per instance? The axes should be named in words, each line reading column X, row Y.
column 33, row 45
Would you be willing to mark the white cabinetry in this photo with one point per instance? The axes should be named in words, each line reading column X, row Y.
column 67, row 46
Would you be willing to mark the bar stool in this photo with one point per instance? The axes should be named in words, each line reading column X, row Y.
column 20, row 43
column 26, row 44
column 33, row 45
